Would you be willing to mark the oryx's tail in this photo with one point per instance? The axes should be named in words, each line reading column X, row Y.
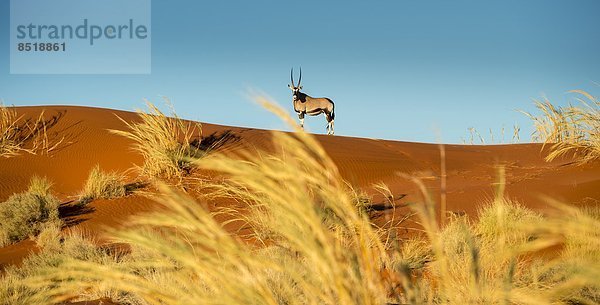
column 332, row 110
column 333, row 113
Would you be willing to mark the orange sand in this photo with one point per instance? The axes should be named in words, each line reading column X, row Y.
column 471, row 170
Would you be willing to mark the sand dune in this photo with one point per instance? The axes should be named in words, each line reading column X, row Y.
column 471, row 170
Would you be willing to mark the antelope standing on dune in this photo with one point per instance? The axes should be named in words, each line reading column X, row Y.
column 305, row 104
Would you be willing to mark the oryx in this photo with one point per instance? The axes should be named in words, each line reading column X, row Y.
column 304, row 104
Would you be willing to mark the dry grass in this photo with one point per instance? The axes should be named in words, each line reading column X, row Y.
column 168, row 144
column 18, row 135
column 477, row 258
column 573, row 130
column 10, row 141
column 312, row 244
column 26, row 214
column 102, row 185
column 183, row 257
column 39, row 186
column 494, row 261
column 475, row 137
column 321, row 250
column 57, row 248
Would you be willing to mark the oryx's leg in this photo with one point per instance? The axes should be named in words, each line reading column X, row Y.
column 332, row 127
column 301, row 117
column 329, row 123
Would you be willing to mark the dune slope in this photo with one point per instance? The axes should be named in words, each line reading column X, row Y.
column 470, row 169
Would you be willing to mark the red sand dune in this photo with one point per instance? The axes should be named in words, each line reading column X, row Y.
column 471, row 169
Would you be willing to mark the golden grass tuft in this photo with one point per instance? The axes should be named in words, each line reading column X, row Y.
column 102, row 185
column 169, row 145
column 40, row 186
column 49, row 238
column 572, row 130
column 19, row 135
column 10, row 141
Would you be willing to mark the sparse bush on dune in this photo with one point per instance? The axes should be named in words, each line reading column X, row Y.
column 168, row 144
column 572, row 130
column 28, row 213
column 102, row 185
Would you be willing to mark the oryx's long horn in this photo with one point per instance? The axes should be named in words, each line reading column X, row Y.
column 292, row 77
column 300, row 80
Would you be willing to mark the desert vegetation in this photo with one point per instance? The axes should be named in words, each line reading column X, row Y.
column 475, row 137
column 18, row 135
column 28, row 213
column 498, row 260
column 572, row 130
column 56, row 247
column 184, row 257
column 102, row 185
column 169, row 145
column 311, row 242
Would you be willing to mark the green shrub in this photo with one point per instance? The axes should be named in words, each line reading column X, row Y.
column 26, row 214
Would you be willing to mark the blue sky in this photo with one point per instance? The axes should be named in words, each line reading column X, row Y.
column 401, row 70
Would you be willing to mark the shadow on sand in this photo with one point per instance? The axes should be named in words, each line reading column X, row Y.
column 70, row 212
column 216, row 140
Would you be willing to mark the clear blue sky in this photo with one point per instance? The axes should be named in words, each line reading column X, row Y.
column 402, row 70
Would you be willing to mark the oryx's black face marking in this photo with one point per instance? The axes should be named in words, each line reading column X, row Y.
column 295, row 93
